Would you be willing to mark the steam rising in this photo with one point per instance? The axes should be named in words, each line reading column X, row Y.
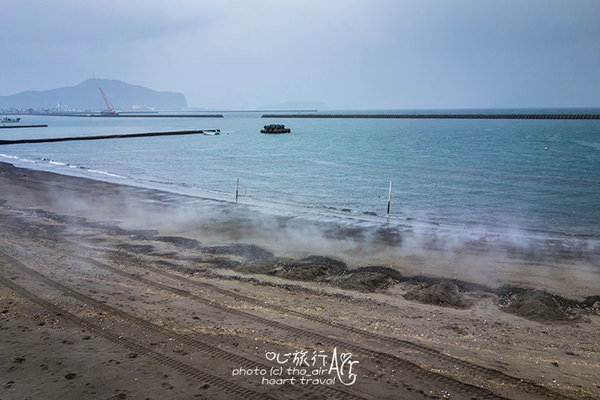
column 477, row 254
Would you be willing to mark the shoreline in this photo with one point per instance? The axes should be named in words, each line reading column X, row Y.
column 118, row 258
column 531, row 244
column 492, row 258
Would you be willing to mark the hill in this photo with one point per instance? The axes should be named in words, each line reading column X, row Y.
column 86, row 96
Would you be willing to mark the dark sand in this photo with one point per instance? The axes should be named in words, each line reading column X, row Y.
column 109, row 291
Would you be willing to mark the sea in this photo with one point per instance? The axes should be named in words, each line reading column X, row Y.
column 513, row 180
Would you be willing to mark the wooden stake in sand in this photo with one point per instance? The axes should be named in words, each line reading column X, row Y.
column 389, row 199
column 237, row 188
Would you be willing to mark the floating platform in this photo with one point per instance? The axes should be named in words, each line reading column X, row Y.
column 439, row 116
column 275, row 129
column 23, row 126
column 121, row 136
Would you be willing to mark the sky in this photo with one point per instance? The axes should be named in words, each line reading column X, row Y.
column 348, row 54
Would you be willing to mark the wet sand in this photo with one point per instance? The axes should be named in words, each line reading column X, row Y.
column 111, row 291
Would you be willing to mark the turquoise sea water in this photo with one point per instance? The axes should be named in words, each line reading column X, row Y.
column 471, row 177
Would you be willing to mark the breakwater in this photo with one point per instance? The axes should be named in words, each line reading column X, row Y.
column 159, row 115
column 439, row 116
column 100, row 137
column 121, row 115
column 23, row 126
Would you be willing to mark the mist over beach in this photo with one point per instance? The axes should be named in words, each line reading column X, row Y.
column 522, row 183
column 286, row 200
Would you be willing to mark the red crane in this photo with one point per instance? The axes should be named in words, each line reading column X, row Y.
column 109, row 108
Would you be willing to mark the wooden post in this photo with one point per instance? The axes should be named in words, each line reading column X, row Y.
column 237, row 188
column 389, row 199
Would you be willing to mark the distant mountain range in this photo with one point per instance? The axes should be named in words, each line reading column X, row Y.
column 86, row 96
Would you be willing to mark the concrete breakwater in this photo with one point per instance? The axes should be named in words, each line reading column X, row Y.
column 125, row 114
column 439, row 116
column 23, row 126
column 121, row 136
column 160, row 116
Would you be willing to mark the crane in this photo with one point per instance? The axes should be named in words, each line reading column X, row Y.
column 109, row 108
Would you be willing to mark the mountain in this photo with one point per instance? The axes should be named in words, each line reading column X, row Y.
column 295, row 105
column 86, row 96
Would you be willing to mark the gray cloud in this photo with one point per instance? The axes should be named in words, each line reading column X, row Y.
column 349, row 54
column 92, row 23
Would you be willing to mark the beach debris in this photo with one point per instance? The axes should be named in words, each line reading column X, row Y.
column 180, row 241
column 250, row 252
column 443, row 293
column 311, row 268
column 136, row 248
column 366, row 282
column 370, row 279
column 537, row 305
column 263, row 266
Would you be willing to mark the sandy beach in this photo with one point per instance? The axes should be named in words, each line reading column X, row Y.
column 117, row 292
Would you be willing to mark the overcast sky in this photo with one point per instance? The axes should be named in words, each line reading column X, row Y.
column 349, row 54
